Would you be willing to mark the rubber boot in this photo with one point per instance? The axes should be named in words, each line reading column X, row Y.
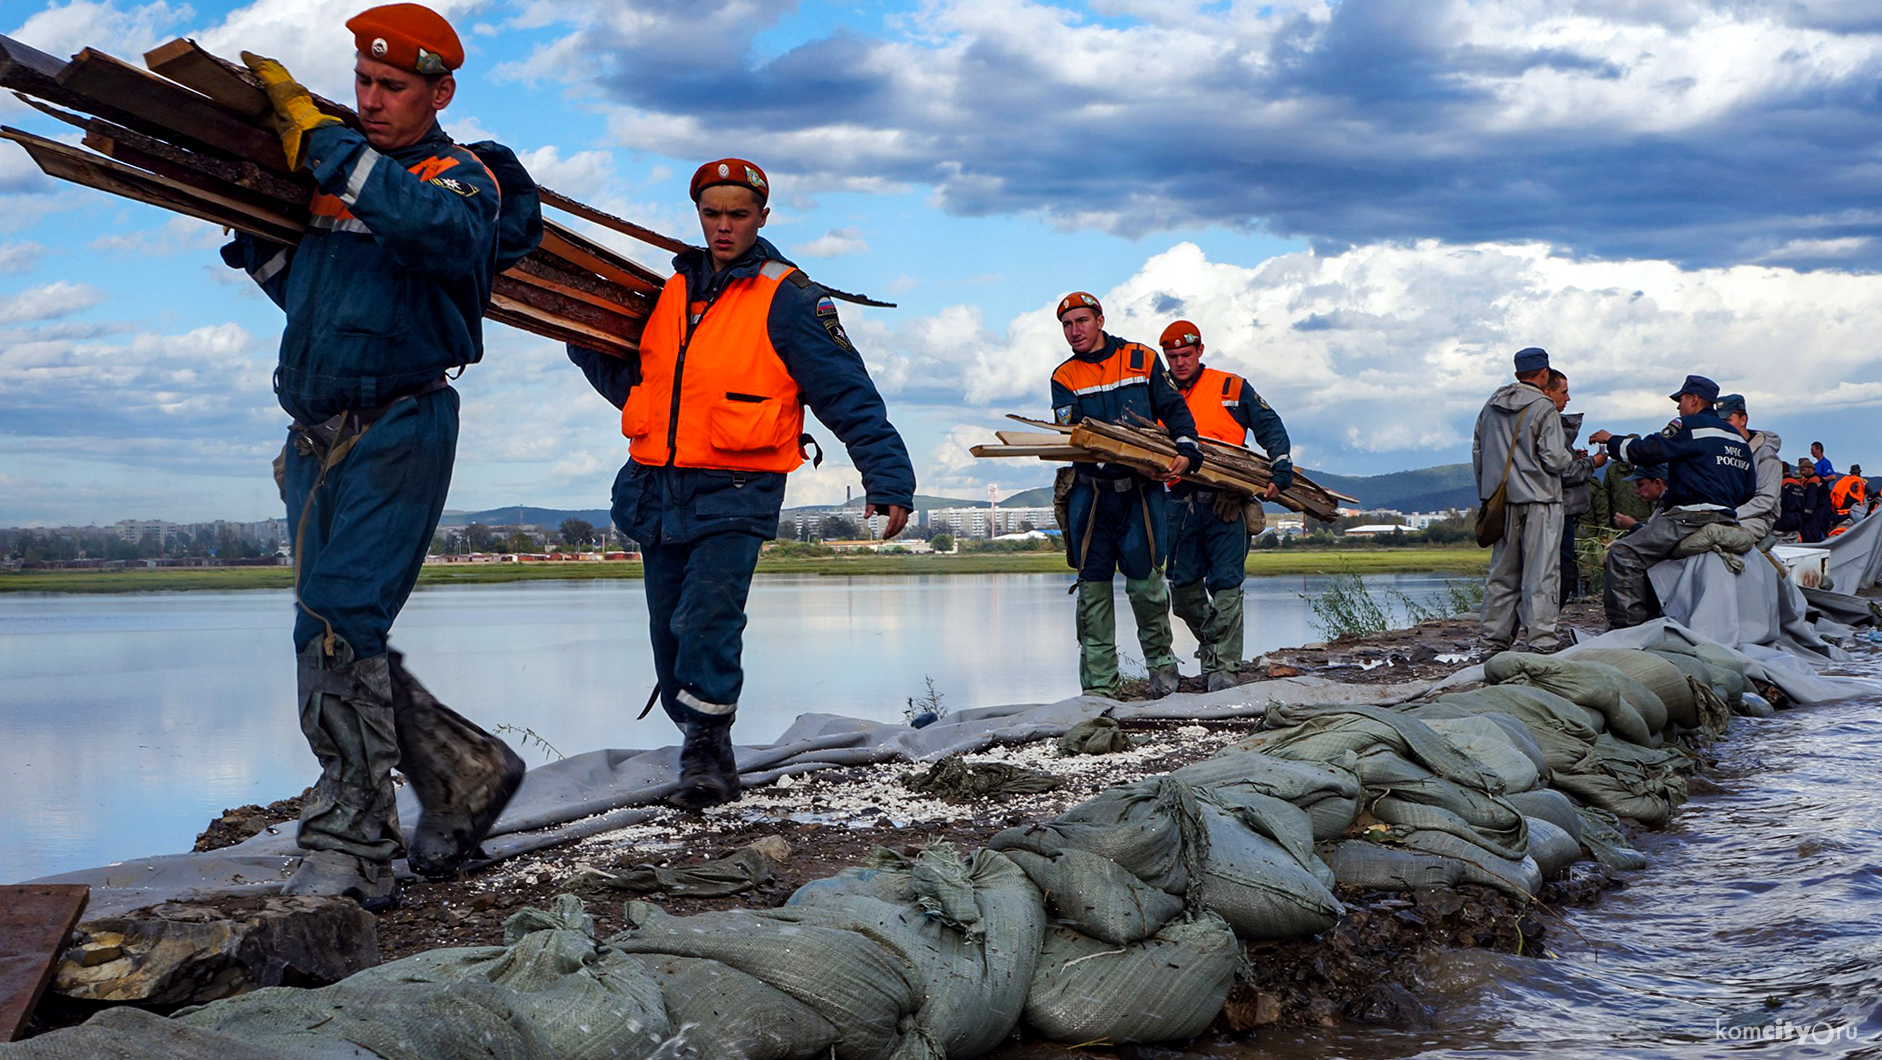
column 708, row 770
column 1191, row 604
column 1150, row 605
column 1226, row 631
column 462, row 775
column 349, row 825
column 1097, row 639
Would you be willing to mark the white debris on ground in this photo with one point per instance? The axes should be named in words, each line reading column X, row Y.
column 870, row 797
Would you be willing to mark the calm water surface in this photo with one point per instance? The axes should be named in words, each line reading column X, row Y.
column 127, row 722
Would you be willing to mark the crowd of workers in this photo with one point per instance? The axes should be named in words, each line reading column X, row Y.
column 384, row 297
column 1705, row 468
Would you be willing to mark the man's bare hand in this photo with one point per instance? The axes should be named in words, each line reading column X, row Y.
column 1271, row 493
column 1600, row 437
column 1626, row 522
column 898, row 518
column 1178, row 468
column 1600, row 457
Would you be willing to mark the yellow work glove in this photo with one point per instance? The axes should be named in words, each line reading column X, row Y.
column 294, row 112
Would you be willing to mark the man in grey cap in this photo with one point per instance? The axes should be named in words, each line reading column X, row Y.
column 1709, row 474
column 1760, row 513
column 1519, row 446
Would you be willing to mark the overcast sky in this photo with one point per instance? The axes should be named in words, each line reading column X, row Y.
column 1366, row 205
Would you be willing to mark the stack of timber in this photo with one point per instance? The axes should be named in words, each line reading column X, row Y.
column 1149, row 449
column 193, row 135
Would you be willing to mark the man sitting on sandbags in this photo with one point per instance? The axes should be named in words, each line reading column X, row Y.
column 1709, row 474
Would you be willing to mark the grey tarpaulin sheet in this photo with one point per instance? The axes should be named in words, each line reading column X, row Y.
column 1754, row 607
column 1855, row 556
column 1845, row 609
column 601, row 790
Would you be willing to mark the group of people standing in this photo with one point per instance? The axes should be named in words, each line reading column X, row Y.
column 1706, row 467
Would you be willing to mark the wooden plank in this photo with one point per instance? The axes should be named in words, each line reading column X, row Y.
column 30, row 72
column 606, row 321
column 1029, row 438
column 1043, row 452
column 1060, row 428
column 584, row 253
column 35, row 921
column 540, row 270
column 608, row 220
column 197, row 120
column 79, row 167
column 524, row 317
column 230, row 84
column 183, row 173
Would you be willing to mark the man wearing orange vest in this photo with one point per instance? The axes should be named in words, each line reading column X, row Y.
column 713, row 410
column 1208, row 535
column 1848, row 493
column 1118, row 518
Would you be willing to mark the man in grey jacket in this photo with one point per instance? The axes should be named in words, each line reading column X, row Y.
column 1759, row 514
column 1520, row 429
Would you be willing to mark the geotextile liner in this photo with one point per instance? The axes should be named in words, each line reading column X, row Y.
column 1118, row 920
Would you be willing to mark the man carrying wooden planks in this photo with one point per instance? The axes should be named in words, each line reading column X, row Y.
column 1209, row 527
column 384, row 295
column 713, row 410
column 1116, row 517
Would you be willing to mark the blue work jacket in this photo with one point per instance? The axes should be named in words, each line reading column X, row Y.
column 1708, row 463
column 675, row 505
column 1135, row 391
column 387, row 288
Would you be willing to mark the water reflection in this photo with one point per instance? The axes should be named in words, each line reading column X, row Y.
column 130, row 720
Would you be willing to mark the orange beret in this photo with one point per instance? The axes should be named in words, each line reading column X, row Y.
column 409, row 36
column 1181, row 333
column 735, row 171
column 1079, row 300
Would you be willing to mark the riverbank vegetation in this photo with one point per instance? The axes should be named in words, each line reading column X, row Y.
column 1290, row 561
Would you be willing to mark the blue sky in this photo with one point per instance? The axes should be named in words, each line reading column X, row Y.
column 1367, row 206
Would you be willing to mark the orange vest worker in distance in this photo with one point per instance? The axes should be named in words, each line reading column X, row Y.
column 1848, row 493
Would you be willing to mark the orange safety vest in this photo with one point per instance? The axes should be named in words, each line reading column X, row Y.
column 715, row 394
column 1128, row 365
column 1846, row 494
column 1212, row 396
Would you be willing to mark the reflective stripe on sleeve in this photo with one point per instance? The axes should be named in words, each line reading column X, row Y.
column 272, row 266
column 1717, row 432
column 356, row 182
column 700, row 705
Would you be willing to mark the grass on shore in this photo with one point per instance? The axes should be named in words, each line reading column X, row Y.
column 1302, row 561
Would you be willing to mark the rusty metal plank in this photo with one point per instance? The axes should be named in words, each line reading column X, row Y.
column 35, row 920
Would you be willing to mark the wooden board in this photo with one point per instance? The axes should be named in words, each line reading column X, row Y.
column 1043, row 452
column 542, row 270
column 80, row 167
column 524, row 317
column 232, row 85
column 585, row 253
column 608, row 220
column 197, row 120
column 35, row 920
column 1029, row 438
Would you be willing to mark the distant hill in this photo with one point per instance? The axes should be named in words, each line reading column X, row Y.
column 1424, row 490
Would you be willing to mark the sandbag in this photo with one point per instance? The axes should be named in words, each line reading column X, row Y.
column 720, row 1011
column 1666, row 681
column 1411, row 796
column 1328, row 794
column 126, row 1033
column 1377, row 867
column 1753, row 705
column 1724, row 671
column 1551, row 806
column 1260, row 873
column 1520, row 877
column 1095, row 736
column 1487, row 742
column 1623, row 702
column 1096, row 897
column 1166, row 988
column 1632, row 781
column 1152, row 828
column 1601, row 834
column 1552, row 848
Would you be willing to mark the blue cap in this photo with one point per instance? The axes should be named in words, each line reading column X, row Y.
column 1698, row 386
column 1650, row 471
column 1731, row 403
column 1530, row 359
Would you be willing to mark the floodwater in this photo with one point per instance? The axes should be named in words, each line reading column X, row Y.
column 128, row 722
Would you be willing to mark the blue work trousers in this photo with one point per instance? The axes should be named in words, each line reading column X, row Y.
column 362, row 528
column 1115, row 530
column 696, row 595
column 1203, row 547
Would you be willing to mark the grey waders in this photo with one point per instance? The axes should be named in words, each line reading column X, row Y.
column 462, row 775
column 349, row 825
column 708, row 768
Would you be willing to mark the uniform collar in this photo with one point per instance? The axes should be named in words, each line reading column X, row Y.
column 1102, row 353
column 425, row 146
column 695, row 264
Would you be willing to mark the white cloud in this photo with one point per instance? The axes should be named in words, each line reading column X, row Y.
column 833, row 244
column 19, row 257
column 581, row 175
column 178, row 235
column 310, row 37
column 124, row 30
column 48, row 302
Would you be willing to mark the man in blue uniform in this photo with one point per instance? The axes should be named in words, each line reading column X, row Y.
column 739, row 342
column 1710, row 472
column 1208, row 527
column 384, row 295
column 1117, row 518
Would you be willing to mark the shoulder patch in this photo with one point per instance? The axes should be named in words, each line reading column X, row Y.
column 1259, row 400
column 1671, row 429
column 826, row 315
column 1062, row 415
column 455, row 186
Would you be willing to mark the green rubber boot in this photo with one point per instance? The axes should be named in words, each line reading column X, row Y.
column 1097, row 639
column 1150, row 603
column 1226, row 637
column 1191, row 604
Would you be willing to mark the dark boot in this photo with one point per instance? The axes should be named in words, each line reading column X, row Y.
column 349, row 826
column 708, row 771
column 462, row 775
